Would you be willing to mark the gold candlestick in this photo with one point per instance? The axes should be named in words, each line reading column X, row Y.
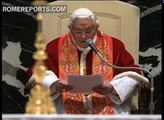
column 39, row 99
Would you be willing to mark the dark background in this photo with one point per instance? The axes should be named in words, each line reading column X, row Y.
column 21, row 28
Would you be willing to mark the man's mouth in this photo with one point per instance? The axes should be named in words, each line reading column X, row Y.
column 82, row 41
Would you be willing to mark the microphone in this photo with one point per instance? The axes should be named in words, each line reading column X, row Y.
column 93, row 47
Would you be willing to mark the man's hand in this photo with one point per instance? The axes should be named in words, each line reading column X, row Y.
column 104, row 89
column 30, row 84
column 61, row 86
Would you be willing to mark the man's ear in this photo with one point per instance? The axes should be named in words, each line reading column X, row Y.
column 69, row 27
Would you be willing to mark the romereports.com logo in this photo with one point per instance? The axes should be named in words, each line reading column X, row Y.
column 54, row 9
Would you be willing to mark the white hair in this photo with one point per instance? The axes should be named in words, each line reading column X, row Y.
column 83, row 13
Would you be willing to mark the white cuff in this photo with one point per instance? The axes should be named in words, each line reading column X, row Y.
column 123, row 87
column 132, row 74
column 49, row 78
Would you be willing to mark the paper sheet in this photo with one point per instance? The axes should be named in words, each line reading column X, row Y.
column 84, row 83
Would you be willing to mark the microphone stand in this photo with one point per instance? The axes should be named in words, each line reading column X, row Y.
column 151, row 104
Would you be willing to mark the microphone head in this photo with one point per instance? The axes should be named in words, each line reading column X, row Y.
column 91, row 45
column 89, row 41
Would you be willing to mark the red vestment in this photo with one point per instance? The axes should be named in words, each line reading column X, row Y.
column 121, row 56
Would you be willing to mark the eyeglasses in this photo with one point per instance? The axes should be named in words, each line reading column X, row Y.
column 81, row 32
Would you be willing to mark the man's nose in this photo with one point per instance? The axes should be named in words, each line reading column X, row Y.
column 83, row 35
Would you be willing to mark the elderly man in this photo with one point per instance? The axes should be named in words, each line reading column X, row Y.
column 70, row 54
